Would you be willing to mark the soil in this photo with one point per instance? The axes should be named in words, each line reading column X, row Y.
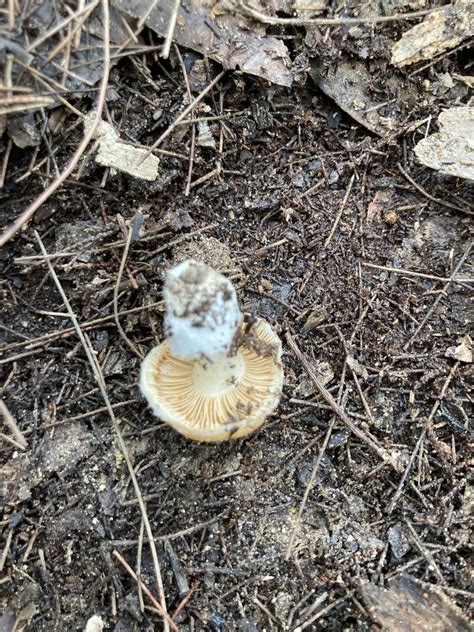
column 302, row 199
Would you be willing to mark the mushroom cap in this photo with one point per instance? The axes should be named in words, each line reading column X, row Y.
column 224, row 398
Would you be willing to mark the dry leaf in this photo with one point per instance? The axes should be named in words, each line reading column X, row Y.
column 357, row 367
column 216, row 31
column 463, row 352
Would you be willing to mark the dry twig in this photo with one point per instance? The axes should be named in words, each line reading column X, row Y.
column 309, row 487
column 193, row 127
column 341, row 209
column 420, row 275
column 382, row 19
column 426, row 427
column 439, row 297
column 121, row 331
column 11, row 423
column 145, row 590
column 169, row 34
column 424, row 192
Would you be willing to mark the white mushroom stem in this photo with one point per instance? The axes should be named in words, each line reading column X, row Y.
column 202, row 312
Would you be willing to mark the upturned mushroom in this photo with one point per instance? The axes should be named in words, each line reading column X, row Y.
column 217, row 375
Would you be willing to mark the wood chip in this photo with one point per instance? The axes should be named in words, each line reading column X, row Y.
column 451, row 150
column 440, row 31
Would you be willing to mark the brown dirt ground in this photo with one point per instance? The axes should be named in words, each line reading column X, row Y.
column 226, row 512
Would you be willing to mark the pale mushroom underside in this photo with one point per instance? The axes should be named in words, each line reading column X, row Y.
column 247, row 389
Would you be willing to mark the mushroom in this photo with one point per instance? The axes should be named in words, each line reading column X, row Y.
column 217, row 376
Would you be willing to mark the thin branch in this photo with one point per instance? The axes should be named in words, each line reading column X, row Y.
column 309, row 487
column 420, row 275
column 193, row 127
column 440, row 296
column 145, row 590
column 424, row 192
column 425, row 552
column 341, row 209
column 61, row 25
column 64, row 333
column 426, row 427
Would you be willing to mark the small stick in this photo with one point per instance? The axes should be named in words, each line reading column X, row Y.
column 419, row 443
column 77, row 38
column 121, row 331
column 176, row 534
column 362, row 397
column 12, row 441
column 139, row 565
column 91, row 413
column 99, row 376
column 169, row 34
column 382, row 453
column 11, row 15
column 145, row 590
column 264, row 609
column 11, row 423
column 183, row 602
column 424, row 551
column 310, row 609
column 50, row 84
column 6, row 158
column 6, row 548
column 423, row 191
column 215, row 172
column 420, row 275
column 411, row 460
column 61, row 25
column 193, row 127
column 339, row 215
column 184, row 113
column 63, row 333
column 319, row 614
column 74, row 33
column 177, row 568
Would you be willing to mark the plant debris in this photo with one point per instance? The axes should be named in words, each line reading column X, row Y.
column 349, row 84
column 451, row 150
column 406, row 606
column 462, row 352
column 120, row 156
column 442, row 30
column 229, row 38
